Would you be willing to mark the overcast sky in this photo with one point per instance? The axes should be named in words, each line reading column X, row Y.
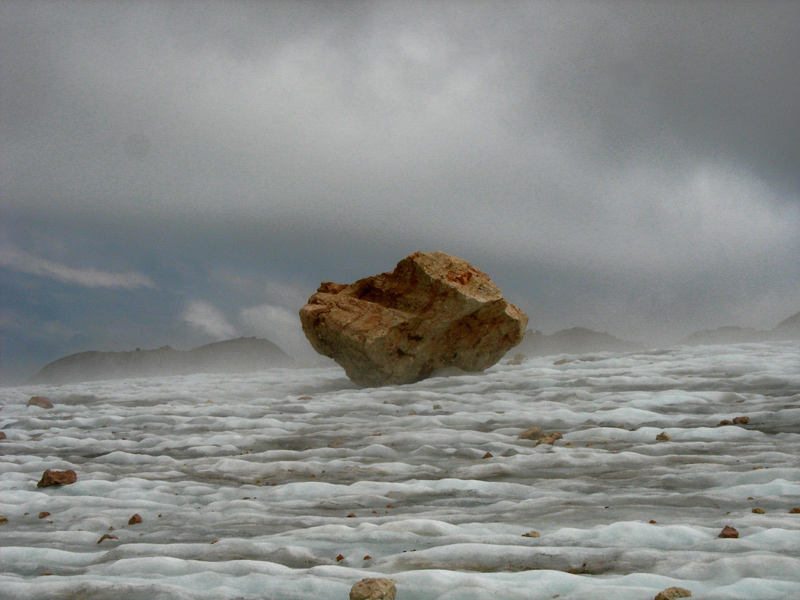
column 183, row 172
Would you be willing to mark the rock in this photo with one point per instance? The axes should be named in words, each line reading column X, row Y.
column 40, row 402
column 518, row 359
column 59, row 478
column 3, row 520
column 488, row 455
column 549, row 438
column 135, row 519
column 531, row 534
column 672, row 593
column 44, row 514
column 758, row 511
column 531, row 434
column 378, row 588
column 728, row 532
column 2, row 436
column 735, row 421
column 795, row 511
column 107, row 536
column 664, row 437
column 433, row 311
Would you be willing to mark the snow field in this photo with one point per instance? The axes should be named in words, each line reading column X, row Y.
column 293, row 484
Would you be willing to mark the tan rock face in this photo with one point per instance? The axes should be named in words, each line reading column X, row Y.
column 433, row 311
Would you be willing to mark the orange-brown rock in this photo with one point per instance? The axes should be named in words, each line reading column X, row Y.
column 51, row 477
column 549, row 438
column 534, row 433
column 433, row 311
column 135, row 519
column 728, row 532
column 673, row 593
column 377, row 588
column 40, row 402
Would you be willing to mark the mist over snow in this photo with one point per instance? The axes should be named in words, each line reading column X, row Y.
column 294, row 484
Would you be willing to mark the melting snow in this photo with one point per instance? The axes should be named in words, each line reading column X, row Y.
column 251, row 486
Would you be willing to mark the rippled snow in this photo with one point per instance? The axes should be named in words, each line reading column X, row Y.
column 247, row 484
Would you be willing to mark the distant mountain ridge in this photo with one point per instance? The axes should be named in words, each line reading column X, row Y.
column 788, row 329
column 577, row 340
column 239, row 355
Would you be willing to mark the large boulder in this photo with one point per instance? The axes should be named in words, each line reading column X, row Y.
column 433, row 311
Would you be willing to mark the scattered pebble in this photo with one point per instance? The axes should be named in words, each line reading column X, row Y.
column 378, row 588
column 40, row 402
column 488, row 455
column 759, row 511
column 795, row 511
column 531, row 434
column 664, row 437
column 137, row 518
column 549, row 438
column 531, row 534
column 44, row 514
column 339, row 558
column 672, row 593
column 728, row 532
column 107, row 536
column 3, row 520
column 57, row 478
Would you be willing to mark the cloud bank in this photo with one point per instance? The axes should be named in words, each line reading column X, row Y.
column 625, row 166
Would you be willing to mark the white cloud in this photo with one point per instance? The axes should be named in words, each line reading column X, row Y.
column 27, row 263
column 279, row 325
column 209, row 319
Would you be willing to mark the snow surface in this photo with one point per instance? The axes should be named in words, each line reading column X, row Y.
column 246, row 488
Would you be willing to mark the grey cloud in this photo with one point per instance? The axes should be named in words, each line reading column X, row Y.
column 621, row 164
column 26, row 263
